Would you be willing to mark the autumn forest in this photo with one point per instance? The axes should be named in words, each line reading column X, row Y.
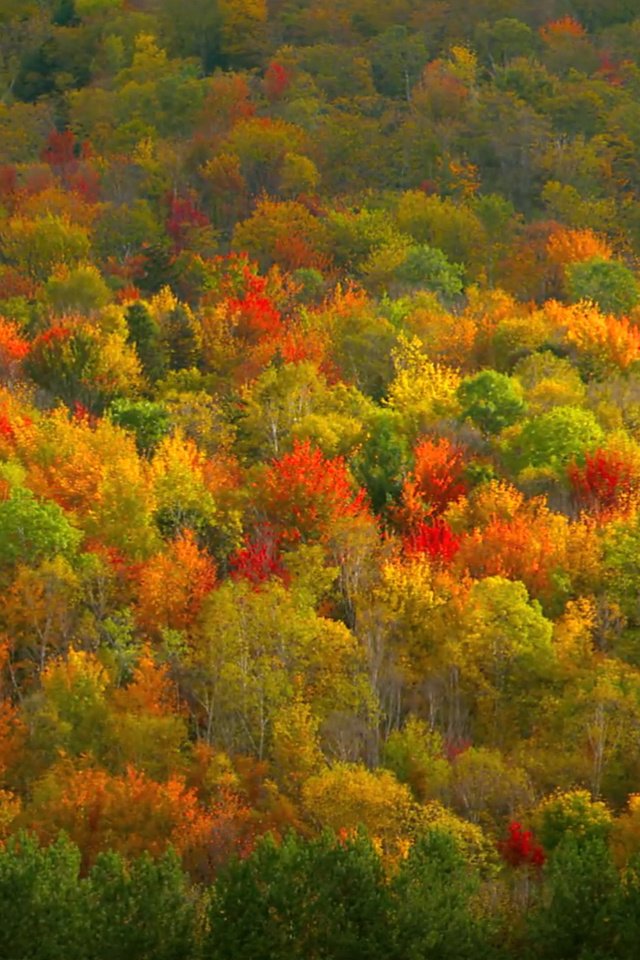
column 319, row 479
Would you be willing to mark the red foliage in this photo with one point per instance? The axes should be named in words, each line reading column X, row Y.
column 13, row 283
column 13, row 347
column 184, row 217
column 259, row 559
column 520, row 849
column 300, row 346
column 6, row 429
column 455, row 748
column 609, row 70
column 8, row 181
column 128, row 293
column 437, row 540
column 306, row 493
column 57, row 333
column 605, row 481
column 61, row 150
column 436, row 481
column 81, row 413
column 255, row 314
column 276, row 80
column 85, row 181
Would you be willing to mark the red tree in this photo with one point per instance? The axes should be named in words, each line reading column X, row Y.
column 436, row 480
column 520, row 848
column 305, row 493
column 605, row 481
column 437, row 540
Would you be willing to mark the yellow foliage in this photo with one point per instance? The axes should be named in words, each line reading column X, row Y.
column 421, row 390
column 573, row 632
column 347, row 796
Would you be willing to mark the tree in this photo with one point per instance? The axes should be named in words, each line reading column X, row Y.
column 609, row 283
column 129, row 813
column 554, row 439
column 301, row 900
column 173, row 585
column 491, row 400
column 433, row 894
column 283, row 232
column 305, row 494
column 254, row 652
column 348, row 796
column 506, row 653
column 437, row 479
column 31, row 529
column 141, row 908
column 582, row 886
column 41, row 899
column 40, row 245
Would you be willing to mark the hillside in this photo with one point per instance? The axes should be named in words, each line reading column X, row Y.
column 319, row 479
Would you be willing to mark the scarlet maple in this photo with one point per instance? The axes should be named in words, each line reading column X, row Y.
column 604, row 482
column 305, row 493
column 437, row 540
column 259, row 558
column 520, row 848
column 436, row 480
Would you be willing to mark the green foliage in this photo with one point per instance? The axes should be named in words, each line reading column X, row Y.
column 491, row 400
column 144, row 333
column 142, row 909
column 148, row 421
column 300, row 901
column 42, row 909
column 427, row 268
column 609, row 283
column 554, row 439
column 433, row 895
column 32, row 529
column 582, row 887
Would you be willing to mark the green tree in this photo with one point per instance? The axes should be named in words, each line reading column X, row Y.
column 144, row 333
column 149, row 422
column 43, row 915
column 302, row 900
column 433, row 904
column 609, row 283
column 141, row 909
column 553, row 439
column 32, row 529
column 491, row 400
column 575, row 917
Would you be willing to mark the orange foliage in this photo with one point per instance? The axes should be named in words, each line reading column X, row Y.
column 13, row 348
column 65, row 464
column 305, row 493
column 566, row 246
column 436, row 480
column 150, row 692
column 530, row 547
column 528, row 271
column 173, row 586
column 561, row 28
column 229, row 101
column 13, row 731
column 129, row 813
column 611, row 342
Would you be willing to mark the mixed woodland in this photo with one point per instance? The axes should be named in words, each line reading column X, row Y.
column 319, row 479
